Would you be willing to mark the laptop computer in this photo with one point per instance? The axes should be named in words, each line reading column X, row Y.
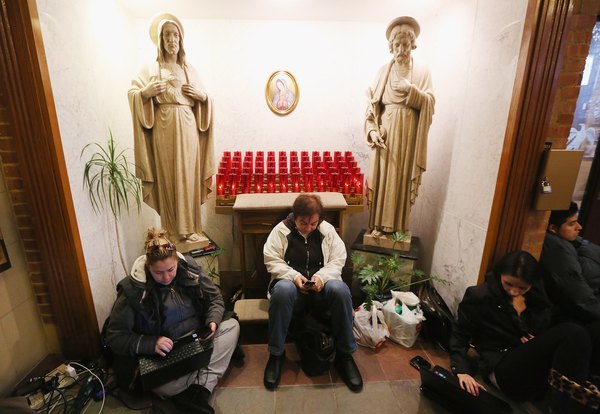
column 188, row 354
column 441, row 386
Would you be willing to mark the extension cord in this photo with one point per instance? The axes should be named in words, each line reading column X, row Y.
column 38, row 398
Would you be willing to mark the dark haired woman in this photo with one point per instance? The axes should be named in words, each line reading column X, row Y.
column 166, row 298
column 506, row 319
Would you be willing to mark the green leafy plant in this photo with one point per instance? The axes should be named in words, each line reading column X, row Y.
column 377, row 280
column 398, row 237
column 211, row 263
column 109, row 180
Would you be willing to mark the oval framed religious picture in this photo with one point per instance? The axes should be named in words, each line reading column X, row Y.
column 282, row 92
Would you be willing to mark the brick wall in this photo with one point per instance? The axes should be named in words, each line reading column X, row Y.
column 578, row 39
column 9, row 162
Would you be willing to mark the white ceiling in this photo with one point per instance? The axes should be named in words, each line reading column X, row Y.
column 336, row 10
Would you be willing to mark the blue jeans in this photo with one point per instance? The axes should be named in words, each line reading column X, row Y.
column 286, row 301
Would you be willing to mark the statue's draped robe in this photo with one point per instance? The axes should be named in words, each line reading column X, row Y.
column 404, row 120
column 173, row 147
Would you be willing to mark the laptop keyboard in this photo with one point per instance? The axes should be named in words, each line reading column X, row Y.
column 177, row 354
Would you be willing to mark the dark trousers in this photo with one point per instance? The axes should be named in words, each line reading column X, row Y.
column 593, row 329
column 523, row 372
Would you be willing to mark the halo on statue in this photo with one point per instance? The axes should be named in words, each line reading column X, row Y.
column 411, row 21
column 153, row 30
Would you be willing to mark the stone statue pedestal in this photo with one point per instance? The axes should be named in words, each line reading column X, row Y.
column 186, row 246
column 386, row 242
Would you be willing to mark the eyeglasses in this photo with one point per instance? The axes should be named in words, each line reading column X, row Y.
column 167, row 246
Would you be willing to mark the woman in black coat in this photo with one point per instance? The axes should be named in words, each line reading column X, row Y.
column 506, row 319
column 166, row 299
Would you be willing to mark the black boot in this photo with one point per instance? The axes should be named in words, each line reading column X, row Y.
column 273, row 370
column 348, row 370
column 238, row 354
column 193, row 400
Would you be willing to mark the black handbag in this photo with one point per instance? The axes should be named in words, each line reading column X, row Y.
column 315, row 345
column 437, row 326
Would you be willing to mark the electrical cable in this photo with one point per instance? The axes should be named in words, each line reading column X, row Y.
column 64, row 399
column 99, row 380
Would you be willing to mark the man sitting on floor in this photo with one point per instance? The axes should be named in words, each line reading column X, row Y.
column 572, row 275
column 305, row 256
column 572, row 267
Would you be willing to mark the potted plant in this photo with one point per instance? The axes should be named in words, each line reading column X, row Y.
column 379, row 279
column 109, row 180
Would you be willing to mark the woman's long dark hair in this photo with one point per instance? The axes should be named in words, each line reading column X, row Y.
column 524, row 266
column 521, row 265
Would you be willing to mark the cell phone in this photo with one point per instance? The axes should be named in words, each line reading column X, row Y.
column 204, row 332
column 419, row 362
column 309, row 283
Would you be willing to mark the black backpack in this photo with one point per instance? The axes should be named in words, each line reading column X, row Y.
column 437, row 326
column 315, row 345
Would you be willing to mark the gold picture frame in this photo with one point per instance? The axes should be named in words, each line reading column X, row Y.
column 4, row 260
column 282, row 92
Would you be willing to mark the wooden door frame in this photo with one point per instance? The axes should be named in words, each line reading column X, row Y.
column 589, row 216
column 34, row 126
column 540, row 58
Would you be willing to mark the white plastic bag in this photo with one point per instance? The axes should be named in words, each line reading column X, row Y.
column 369, row 327
column 404, row 328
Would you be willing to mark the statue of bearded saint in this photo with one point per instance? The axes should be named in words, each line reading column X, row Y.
column 400, row 110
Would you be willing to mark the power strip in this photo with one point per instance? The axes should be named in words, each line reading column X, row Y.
column 38, row 398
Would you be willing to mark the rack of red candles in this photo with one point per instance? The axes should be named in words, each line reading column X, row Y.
column 298, row 171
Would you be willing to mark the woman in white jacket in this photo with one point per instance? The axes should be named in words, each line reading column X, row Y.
column 305, row 257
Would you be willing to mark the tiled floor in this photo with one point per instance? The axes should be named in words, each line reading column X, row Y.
column 391, row 386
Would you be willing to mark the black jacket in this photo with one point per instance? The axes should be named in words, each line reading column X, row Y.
column 488, row 321
column 145, row 310
column 572, row 277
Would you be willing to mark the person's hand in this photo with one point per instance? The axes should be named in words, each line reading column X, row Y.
column 318, row 286
column 402, row 85
column 526, row 338
column 376, row 139
column 299, row 282
column 213, row 328
column 153, row 88
column 163, row 346
column 469, row 384
column 189, row 91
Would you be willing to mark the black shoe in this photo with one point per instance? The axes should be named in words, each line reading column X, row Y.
column 193, row 400
column 273, row 370
column 238, row 354
column 348, row 370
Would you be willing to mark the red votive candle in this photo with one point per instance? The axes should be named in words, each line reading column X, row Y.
column 271, row 182
column 258, row 182
column 295, row 183
column 360, row 178
column 346, row 184
column 283, row 182
column 220, row 184
column 321, row 182
column 308, row 181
